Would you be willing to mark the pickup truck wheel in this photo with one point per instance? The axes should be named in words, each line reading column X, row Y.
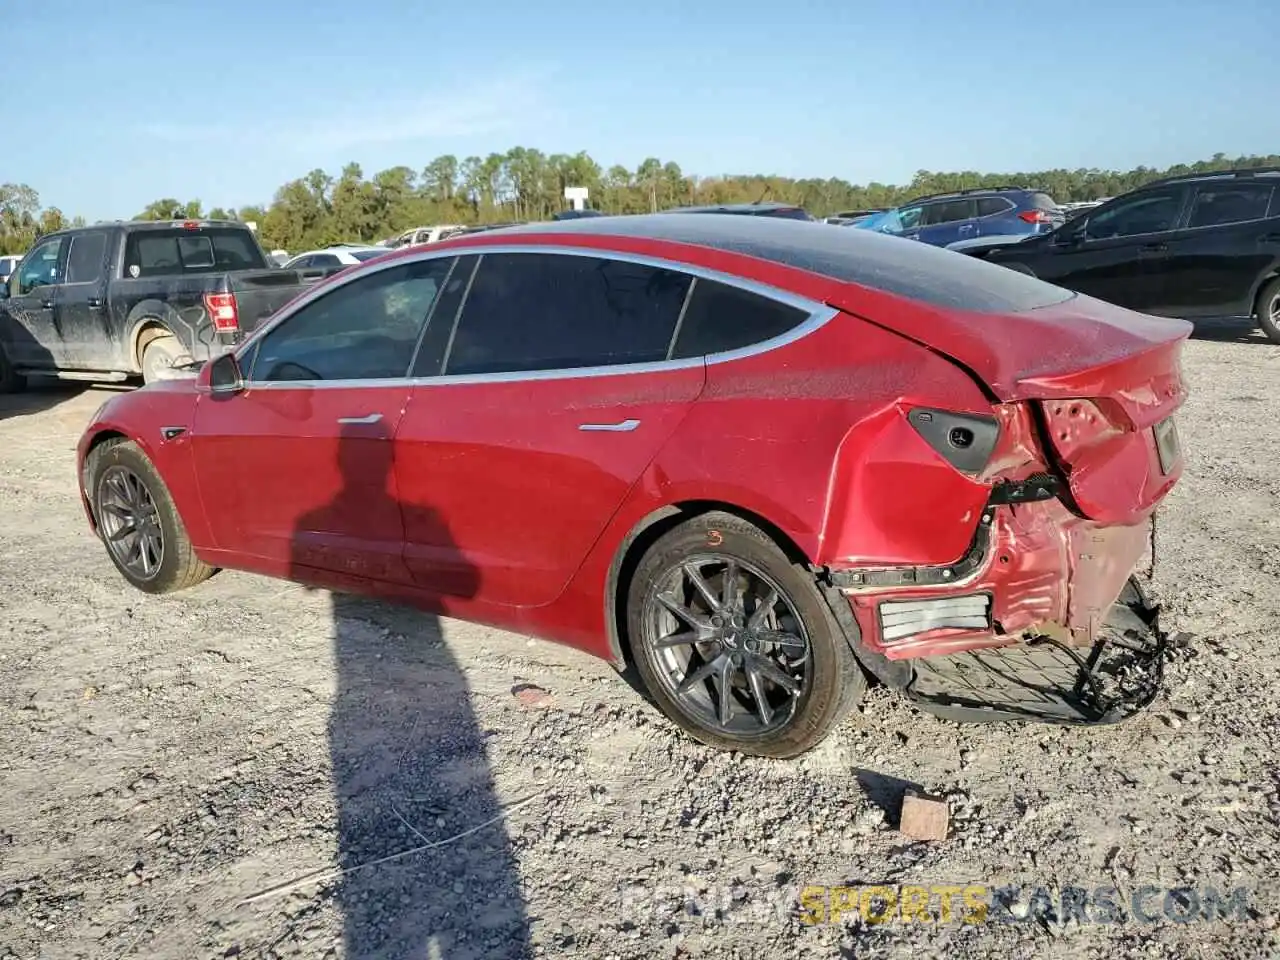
column 11, row 381
column 1267, row 313
column 139, row 523
column 159, row 355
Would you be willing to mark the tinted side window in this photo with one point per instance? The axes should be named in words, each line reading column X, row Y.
column 1152, row 212
column 722, row 317
column 84, row 260
column 325, row 260
column 948, row 211
column 40, row 267
column 1238, row 203
column 363, row 330
column 536, row 311
column 989, row 206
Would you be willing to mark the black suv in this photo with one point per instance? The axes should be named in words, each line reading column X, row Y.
column 1197, row 247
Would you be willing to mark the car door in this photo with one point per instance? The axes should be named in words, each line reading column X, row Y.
column 1214, row 261
column 80, row 305
column 992, row 218
column 946, row 221
column 534, row 415
column 1116, row 252
column 295, row 471
column 28, row 324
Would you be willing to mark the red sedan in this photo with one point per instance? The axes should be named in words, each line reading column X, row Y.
column 759, row 460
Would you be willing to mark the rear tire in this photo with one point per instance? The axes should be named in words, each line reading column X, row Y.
column 159, row 354
column 1267, row 311
column 11, row 381
column 138, row 522
column 789, row 672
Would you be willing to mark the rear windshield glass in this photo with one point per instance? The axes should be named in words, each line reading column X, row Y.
column 158, row 253
column 789, row 213
column 363, row 255
column 1042, row 201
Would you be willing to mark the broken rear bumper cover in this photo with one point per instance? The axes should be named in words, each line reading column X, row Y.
column 1041, row 619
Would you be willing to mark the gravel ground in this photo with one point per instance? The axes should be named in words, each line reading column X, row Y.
column 185, row 776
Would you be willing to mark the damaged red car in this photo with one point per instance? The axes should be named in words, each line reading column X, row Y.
column 761, row 462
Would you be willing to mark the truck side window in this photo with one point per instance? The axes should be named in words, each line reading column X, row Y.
column 41, row 266
column 86, row 256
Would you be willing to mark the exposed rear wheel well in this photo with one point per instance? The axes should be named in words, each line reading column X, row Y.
column 643, row 536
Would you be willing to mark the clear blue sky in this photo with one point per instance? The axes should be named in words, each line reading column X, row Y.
column 112, row 105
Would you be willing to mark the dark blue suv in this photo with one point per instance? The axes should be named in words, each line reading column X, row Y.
column 945, row 218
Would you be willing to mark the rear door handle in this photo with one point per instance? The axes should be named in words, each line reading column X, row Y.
column 622, row 426
column 94, row 302
column 368, row 418
column 47, row 304
column 1153, row 248
column 1269, row 238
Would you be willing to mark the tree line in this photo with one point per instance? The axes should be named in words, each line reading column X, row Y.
column 524, row 184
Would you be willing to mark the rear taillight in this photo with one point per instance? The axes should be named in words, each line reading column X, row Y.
column 222, row 310
column 1035, row 216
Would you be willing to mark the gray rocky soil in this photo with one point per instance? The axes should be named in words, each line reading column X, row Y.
column 185, row 776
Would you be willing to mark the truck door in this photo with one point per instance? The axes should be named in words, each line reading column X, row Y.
column 80, row 306
column 28, row 327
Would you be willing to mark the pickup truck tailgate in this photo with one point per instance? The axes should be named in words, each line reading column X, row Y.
column 260, row 293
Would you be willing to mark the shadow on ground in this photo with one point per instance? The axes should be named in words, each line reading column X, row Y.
column 409, row 761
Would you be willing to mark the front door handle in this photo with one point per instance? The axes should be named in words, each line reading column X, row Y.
column 1269, row 238
column 1153, row 248
column 368, row 418
column 622, row 426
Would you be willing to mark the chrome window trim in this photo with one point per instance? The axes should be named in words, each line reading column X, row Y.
column 818, row 315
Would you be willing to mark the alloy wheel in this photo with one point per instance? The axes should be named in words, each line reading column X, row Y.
column 728, row 645
column 130, row 522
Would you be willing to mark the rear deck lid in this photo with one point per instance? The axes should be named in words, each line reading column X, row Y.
column 1104, row 380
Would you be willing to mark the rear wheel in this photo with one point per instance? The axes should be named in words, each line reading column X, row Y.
column 1267, row 312
column 138, row 522
column 160, row 353
column 11, row 381
column 734, row 641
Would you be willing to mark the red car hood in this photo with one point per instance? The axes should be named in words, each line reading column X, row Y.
column 1070, row 349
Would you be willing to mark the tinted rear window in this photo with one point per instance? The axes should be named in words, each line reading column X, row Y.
column 790, row 213
column 1042, row 201
column 363, row 255
column 907, row 268
column 158, row 253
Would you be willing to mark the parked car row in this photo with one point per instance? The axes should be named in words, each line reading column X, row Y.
column 1199, row 247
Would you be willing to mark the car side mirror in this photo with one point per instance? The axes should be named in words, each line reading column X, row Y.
column 225, row 378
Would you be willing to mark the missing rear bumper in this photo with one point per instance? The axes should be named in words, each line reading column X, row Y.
column 1043, row 680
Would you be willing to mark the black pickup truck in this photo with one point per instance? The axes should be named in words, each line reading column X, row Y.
column 115, row 300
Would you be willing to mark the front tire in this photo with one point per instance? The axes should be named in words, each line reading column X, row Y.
column 138, row 522
column 735, row 643
column 1267, row 312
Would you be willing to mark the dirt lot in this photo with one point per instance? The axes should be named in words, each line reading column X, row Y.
column 170, row 763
